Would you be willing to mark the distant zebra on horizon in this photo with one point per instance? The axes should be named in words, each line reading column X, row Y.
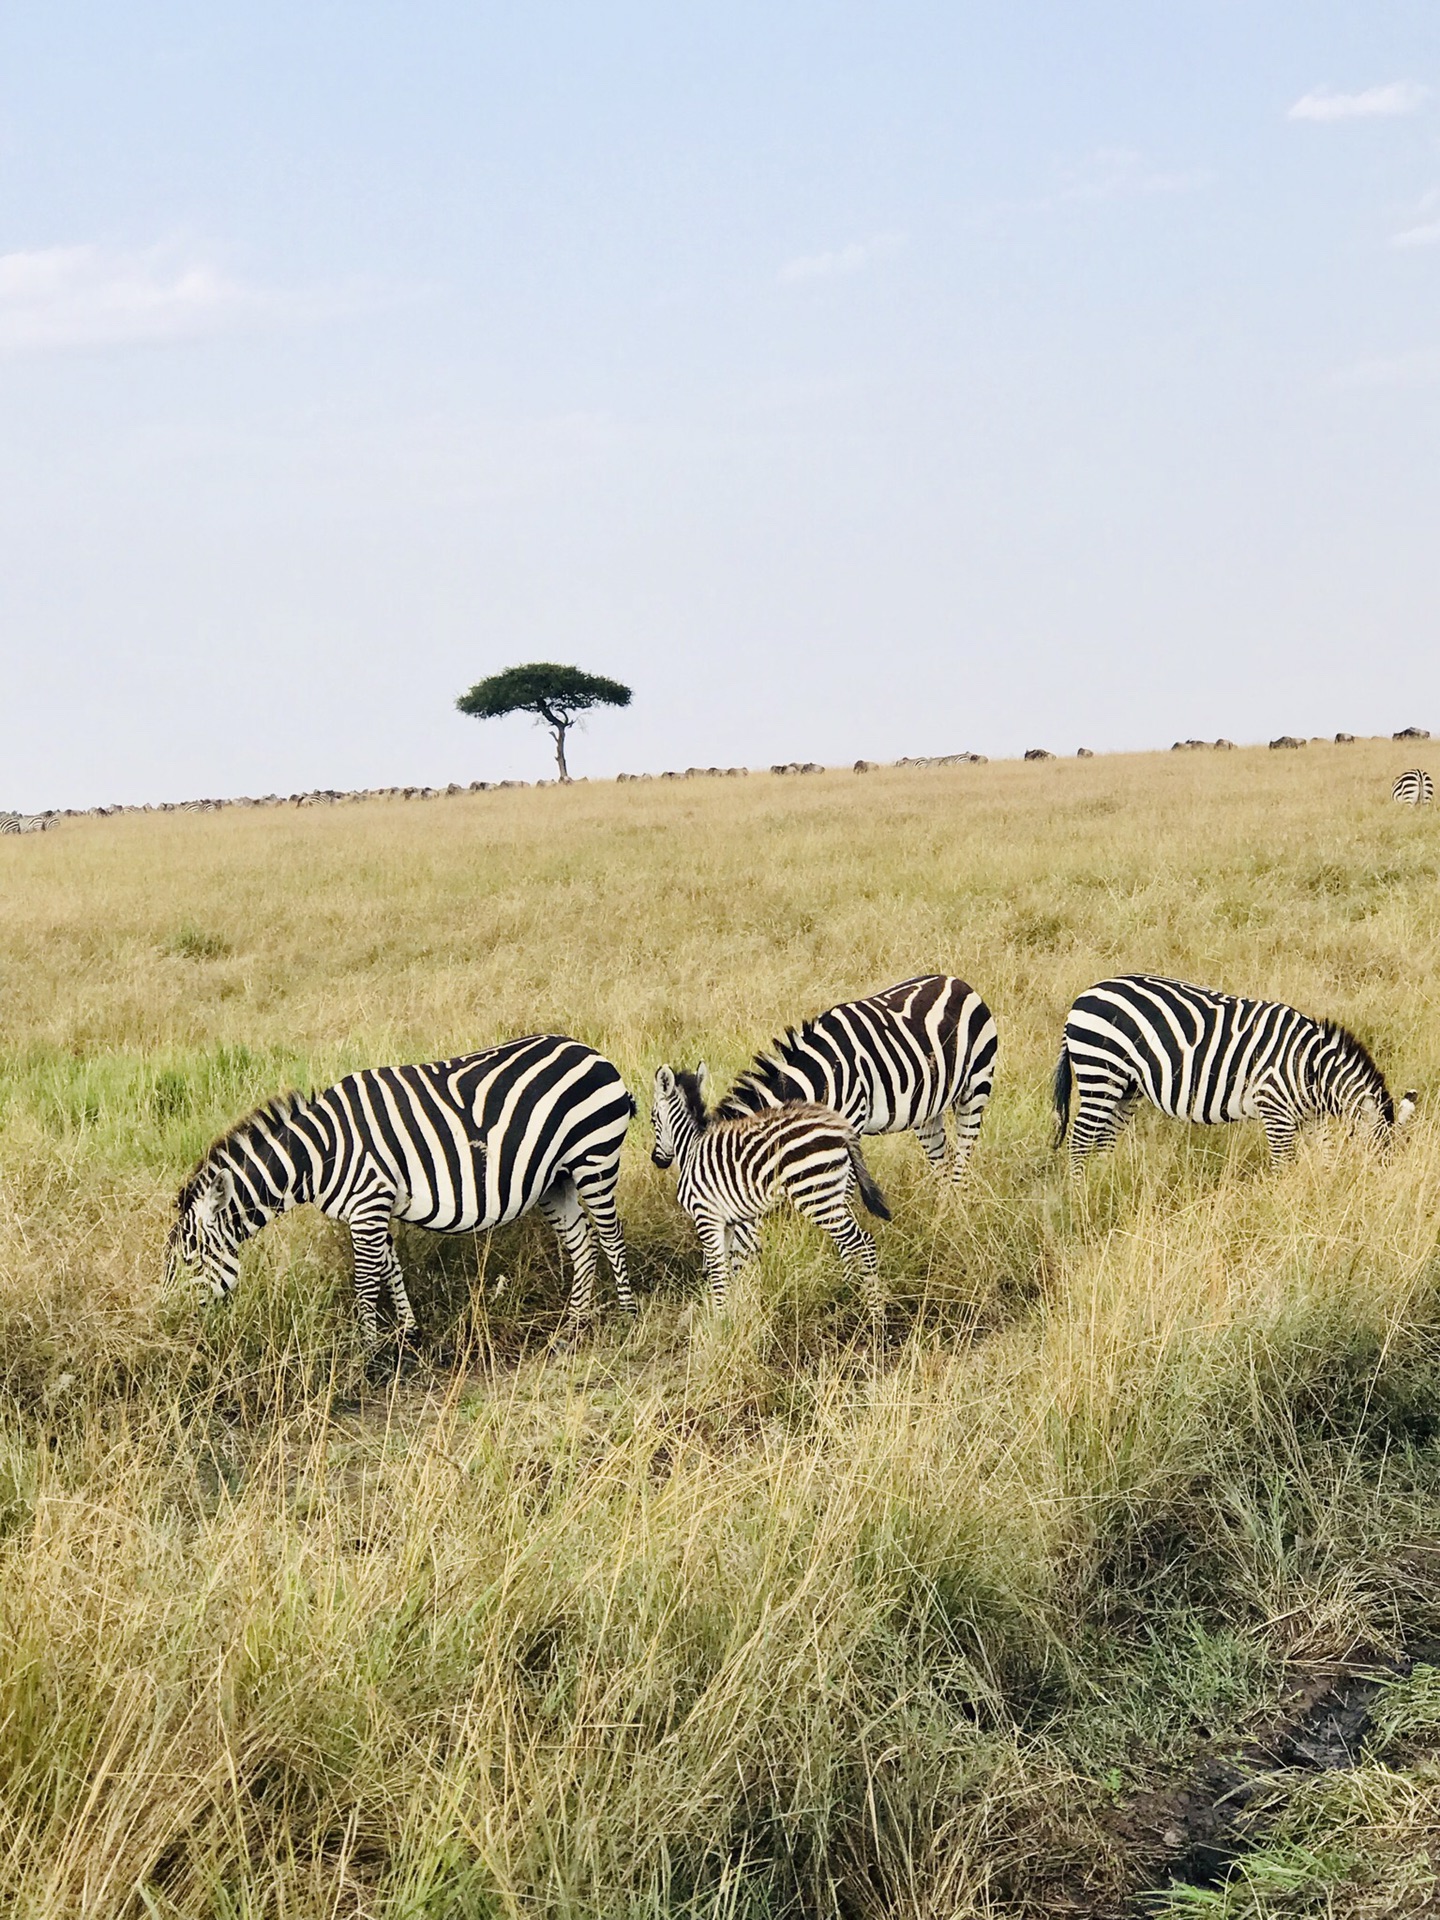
column 25, row 822
column 453, row 1145
column 1415, row 788
column 900, row 1060
column 1210, row 1057
column 734, row 1170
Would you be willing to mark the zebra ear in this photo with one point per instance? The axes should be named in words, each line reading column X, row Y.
column 216, row 1194
column 664, row 1082
column 702, row 1080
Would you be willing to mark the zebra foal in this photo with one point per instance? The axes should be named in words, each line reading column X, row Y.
column 735, row 1170
column 1210, row 1057
column 454, row 1145
column 1414, row 788
column 901, row 1060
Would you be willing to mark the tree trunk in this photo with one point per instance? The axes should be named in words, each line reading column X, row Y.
column 560, row 755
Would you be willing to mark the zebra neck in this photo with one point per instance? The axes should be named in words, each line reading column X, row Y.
column 273, row 1165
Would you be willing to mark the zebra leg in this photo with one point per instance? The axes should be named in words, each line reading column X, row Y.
column 597, row 1191
column 742, row 1244
column 714, row 1249
column 931, row 1135
column 855, row 1246
column 967, row 1127
column 1281, row 1128
column 1100, row 1116
column 399, row 1299
column 560, row 1204
column 375, row 1263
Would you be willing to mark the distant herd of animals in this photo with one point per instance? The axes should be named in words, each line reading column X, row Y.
column 472, row 1143
column 330, row 796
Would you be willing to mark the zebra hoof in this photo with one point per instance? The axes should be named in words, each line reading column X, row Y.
column 883, row 1337
column 392, row 1359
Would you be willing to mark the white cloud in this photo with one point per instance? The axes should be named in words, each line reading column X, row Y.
column 1110, row 173
column 1426, row 235
column 1117, row 173
column 1425, row 228
column 853, row 258
column 1420, row 368
column 57, row 298
column 1323, row 103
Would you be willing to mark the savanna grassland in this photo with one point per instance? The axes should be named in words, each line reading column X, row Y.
column 728, row 1615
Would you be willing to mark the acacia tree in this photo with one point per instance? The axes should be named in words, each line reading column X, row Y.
column 555, row 695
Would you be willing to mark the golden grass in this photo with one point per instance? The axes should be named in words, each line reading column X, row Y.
column 715, row 1616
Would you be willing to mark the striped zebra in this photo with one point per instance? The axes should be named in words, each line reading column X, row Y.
column 735, row 1170
column 454, row 1145
column 1210, row 1057
column 898, row 1061
column 25, row 822
column 1415, row 788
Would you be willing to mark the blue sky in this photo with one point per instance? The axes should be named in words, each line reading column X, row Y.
column 850, row 380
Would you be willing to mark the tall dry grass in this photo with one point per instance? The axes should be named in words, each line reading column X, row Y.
column 716, row 1616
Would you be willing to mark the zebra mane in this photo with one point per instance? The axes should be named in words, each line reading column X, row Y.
column 694, row 1098
column 765, row 1074
column 1355, row 1053
column 282, row 1107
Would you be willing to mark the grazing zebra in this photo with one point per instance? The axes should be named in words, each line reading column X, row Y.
column 735, row 1170
column 1209, row 1057
column 454, row 1145
column 900, row 1060
column 1415, row 788
column 24, row 822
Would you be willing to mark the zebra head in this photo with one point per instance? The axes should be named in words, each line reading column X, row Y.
column 678, row 1112
column 204, row 1243
column 1384, row 1122
column 1346, row 1081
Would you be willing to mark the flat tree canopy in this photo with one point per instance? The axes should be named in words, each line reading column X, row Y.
column 556, row 695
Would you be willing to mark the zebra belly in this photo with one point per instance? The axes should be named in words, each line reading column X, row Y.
column 479, row 1208
column 1200, row 1105
column 878, row 1108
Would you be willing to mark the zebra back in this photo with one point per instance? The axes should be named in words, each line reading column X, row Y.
column 743, row 1162
column 1414, row 788
column 888, row 1062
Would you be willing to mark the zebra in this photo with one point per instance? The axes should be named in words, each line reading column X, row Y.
column 1210, row 1057
column 736, row 1169
column 25, row 822
column 898, row 1061
column 453, row 1145
column 1415, row 788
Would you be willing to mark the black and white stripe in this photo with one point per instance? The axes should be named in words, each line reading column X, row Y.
column 26, row 822
column 735, row 1170
column 1209, row 1057
column 1415, row 788
column 454, row 1145
column 900, row 1060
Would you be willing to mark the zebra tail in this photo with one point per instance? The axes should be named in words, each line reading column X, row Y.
column 1063, row 1079
column 869, row 1192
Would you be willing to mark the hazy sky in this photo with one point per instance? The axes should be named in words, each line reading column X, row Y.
column 850, row 379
